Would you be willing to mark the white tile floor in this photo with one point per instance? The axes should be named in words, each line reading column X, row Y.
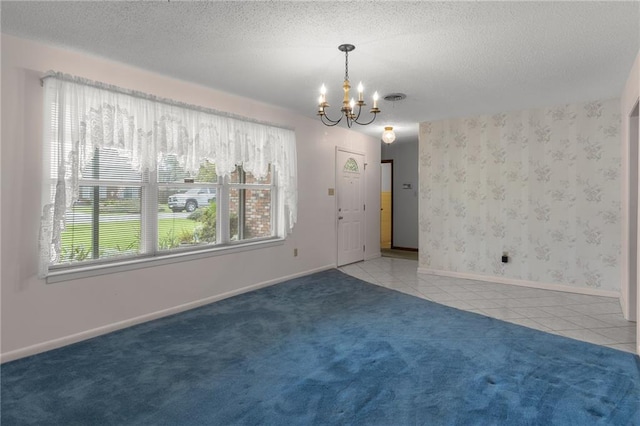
column 593, row 319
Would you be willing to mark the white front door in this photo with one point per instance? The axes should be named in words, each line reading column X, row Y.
column 350, row 189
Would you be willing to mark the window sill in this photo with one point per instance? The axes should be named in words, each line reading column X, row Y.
column 74, row 273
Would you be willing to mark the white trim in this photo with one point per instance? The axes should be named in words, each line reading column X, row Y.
column 364, row 200
column 373, row 256
column 630, row 310
column 88, row 334
column 164, row 259
column 625, row 217
column 523, row 283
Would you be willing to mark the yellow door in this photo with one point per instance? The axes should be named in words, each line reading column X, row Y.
column 385, row 205
column 385, row 219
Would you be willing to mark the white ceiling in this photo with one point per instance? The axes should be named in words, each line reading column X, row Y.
column 452, row 59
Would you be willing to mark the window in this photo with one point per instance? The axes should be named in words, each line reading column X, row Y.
column 135, row 177
column 105, row 219
column 188, row 212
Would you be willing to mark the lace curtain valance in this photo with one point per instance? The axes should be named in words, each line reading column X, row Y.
column 82, row 116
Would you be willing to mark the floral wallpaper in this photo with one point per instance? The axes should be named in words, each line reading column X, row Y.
column 542, row 185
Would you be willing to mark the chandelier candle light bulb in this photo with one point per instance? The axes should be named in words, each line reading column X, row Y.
column 323, row 97
column 348, row 109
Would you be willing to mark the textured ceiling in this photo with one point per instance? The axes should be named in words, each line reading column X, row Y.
column 452, row 59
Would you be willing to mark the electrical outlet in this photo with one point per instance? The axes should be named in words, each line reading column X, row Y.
column 295, row 252
column 505, row 257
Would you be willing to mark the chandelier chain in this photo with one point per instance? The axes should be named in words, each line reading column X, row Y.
column 346, row 65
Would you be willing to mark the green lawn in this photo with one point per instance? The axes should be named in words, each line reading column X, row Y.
column 120, row 236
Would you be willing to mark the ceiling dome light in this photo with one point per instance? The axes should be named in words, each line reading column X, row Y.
column 388, row 136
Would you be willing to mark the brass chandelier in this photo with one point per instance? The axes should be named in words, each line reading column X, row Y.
column 348, row 105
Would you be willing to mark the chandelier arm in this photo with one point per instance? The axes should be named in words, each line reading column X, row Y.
column 349, row 122
column 359, row 112
column 369, row 122
column 329, row 121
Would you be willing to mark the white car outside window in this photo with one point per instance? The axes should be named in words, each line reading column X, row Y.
column 192, row 199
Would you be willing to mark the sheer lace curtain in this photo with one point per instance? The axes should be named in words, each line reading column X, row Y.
column 81, row 116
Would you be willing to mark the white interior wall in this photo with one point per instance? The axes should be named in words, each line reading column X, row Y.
column 386, row 177
column 631, row 279
column 628, row 100
column 36, row 316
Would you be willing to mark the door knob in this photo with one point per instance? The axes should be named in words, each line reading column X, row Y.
column 340, row 217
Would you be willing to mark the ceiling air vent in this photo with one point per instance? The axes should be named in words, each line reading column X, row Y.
column 394, row 97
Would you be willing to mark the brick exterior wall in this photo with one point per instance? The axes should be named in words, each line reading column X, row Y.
column 257, row 221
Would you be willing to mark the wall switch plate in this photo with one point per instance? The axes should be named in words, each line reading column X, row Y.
column 331, row 191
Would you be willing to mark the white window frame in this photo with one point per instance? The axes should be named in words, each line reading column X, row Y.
column 152, row 256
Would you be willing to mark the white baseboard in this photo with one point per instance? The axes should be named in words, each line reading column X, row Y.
column 88, row 334
column 523, row 283
column 373, row 256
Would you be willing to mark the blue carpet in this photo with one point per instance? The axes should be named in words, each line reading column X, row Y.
column 320, row 350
